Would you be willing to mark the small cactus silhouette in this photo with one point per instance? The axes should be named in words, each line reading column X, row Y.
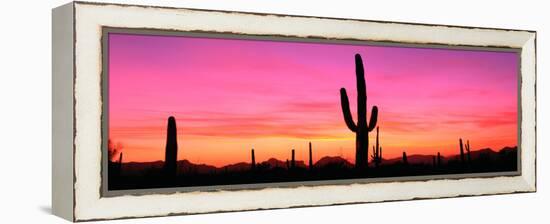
column 310, row 157
column 120, row 163
column 293, row 161
column 114, row 165
column 405, row 161
column 377, row 151
column 361, row 128
column 468, row 151
column 253, row 162
column 461, row 151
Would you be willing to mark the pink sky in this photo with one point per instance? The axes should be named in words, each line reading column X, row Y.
column 231, row 95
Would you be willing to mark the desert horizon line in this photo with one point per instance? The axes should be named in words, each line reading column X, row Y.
column 451, row 155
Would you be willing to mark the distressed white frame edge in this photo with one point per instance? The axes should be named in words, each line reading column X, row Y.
column 89, row 20
column 62, row 111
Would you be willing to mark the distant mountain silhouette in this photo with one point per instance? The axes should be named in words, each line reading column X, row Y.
column 486, row 153
column 332, row 160
column 185, row 166
column 140, row 175
column 272, row 162
column 507, row 151
column 412, row 159
column 136, row 167
column 242, row 166
column 300, row 164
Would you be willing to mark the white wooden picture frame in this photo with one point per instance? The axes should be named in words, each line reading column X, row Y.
column 77, row 111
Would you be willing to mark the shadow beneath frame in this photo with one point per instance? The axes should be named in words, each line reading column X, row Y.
column 45, row 209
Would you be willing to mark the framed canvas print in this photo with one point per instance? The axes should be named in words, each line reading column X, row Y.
column 162, row 111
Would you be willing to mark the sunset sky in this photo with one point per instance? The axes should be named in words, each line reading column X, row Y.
column 229, row 96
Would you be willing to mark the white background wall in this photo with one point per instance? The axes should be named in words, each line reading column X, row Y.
column 25, row 112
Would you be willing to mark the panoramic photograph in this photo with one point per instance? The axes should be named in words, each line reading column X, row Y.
column 189, row 111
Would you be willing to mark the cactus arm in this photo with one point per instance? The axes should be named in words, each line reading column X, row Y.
column 373, row 118
column 345, row 110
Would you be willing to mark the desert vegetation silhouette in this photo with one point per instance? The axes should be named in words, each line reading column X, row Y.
column 174, row 173
column 361, row 128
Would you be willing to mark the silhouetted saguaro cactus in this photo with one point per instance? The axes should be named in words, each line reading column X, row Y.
column 376, row 155
column 461, row 151
column 377, row 151
column 405, row 161
column 310, row 157
column 170, row 161
column 438, row 159
column 468, row 151
column 253, row 162
column 120, row 164
column 293, row 162
column 362, row 128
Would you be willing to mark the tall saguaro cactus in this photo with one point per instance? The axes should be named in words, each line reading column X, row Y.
column 377, row 151
column 310, row 157
column 170, row 161
column 404, row 158
column 361, row 128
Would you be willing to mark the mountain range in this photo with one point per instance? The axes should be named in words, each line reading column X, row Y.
column 185, row 166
